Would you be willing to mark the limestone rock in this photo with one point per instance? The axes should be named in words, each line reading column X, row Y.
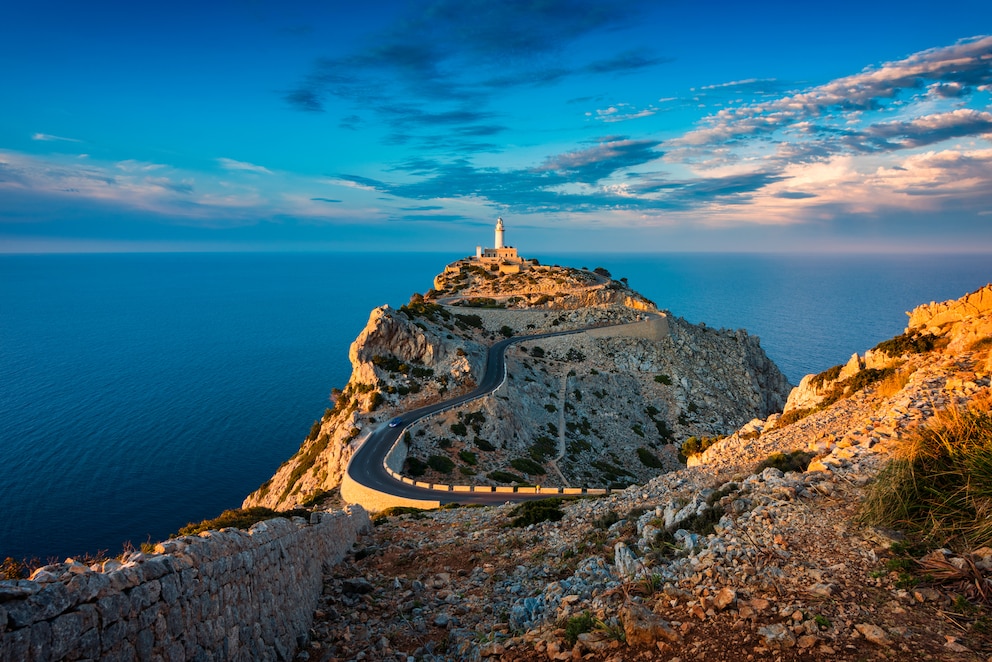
column 642, row 627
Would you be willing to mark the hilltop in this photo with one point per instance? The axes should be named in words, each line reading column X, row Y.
column 608, row 407
column 759, row 550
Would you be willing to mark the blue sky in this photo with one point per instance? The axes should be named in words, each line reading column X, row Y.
column 587, row 125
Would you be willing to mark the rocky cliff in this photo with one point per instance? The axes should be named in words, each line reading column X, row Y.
column 760, row 551
column 606, row 407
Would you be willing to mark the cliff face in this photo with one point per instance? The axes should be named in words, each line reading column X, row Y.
column 732, row 558
column 605, row 407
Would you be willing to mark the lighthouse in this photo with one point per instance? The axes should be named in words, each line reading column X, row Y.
column 499, row 233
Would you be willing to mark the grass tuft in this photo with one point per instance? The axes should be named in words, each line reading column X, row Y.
column 939, row 488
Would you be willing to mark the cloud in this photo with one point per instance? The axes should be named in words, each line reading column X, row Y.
column 934, row 128
column 592, row 164
column 748, row 84
column 456, row 56
column 626, row 62
column 47, row 137
column 966, row 64
column 331, row 200
column 622, row 112
column 231, row 164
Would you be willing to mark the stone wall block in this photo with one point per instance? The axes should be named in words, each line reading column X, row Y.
column 65, row 633
column 86, row 587
column 16, row 645
column 47, row 603
column 41, row 641
column 169, row 588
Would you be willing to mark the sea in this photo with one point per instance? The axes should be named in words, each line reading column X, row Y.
column 140, row 392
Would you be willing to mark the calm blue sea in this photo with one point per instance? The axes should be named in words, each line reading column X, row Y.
column 141, row 392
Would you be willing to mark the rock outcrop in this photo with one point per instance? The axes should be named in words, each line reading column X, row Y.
column 605, row 407
column 733, row 558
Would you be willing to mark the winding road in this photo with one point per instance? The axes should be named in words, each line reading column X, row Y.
column 366, row 466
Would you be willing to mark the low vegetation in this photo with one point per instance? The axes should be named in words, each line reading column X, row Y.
column 940, row 487
column 239, row 518
column 792, row 461
column 533, row 512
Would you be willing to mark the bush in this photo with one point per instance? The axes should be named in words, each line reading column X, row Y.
column 663, row 379
column 533, row 512
column 459, row 429
column 577, row 625
column 473, row 321
column 506, row 331
column 528, row 466
column 648, row 458
column 537, row 352
column 694, row 445
column 239, row 518
column 504, row 477
column 441, row 464
column 468, row 457
column 415, row 467
column 543, row 448
column 483, row 445
column 911, row 342
column 939, row 488
column 794, row 461
column 828, row 375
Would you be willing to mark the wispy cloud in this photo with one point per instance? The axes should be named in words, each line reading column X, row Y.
column 231, row 164
column 456, row 56
column 47, row 137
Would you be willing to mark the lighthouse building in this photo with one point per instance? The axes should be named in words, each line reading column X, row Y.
column 501, row 258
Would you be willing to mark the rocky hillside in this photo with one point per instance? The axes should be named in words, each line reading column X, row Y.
column 755, row 552
column 608, row 407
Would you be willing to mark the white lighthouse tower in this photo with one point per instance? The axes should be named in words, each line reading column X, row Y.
column 499, row 233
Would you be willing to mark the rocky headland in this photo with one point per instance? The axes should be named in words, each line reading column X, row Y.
column 760, row 549
column 603, row 408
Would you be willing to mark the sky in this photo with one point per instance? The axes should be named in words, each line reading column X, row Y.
column 588, row 125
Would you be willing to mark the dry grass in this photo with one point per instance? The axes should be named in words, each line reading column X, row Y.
column 893, row 383
column 940, row 488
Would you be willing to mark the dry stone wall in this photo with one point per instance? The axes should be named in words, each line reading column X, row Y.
column 223, row 595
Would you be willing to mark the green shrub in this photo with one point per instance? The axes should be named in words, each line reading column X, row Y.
column 533, row 512
column 551, row 408
column 459, row 429
column 828, row 375
column 537, row 352
column 473, row 321
column 577, row 625
column 638, row 430
column 543, row 448
column 483, row 445
column 911, row 342
column 441, row 464
column 415, row 467
column 239, row 518
column 314, row 431
column 528, row 466
column 648, row 458
column 940, row 486
column 506, row 331
column 468, row 457
column 663, row 379
column 504, row 477
column 694, row 445
column 793, row 461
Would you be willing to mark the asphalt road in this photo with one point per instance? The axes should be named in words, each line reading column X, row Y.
column 366, row 465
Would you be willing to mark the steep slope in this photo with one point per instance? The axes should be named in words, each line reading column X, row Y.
column 605, row 407
column 754, row 553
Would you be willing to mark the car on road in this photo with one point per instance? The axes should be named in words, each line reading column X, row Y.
column 396, row 421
